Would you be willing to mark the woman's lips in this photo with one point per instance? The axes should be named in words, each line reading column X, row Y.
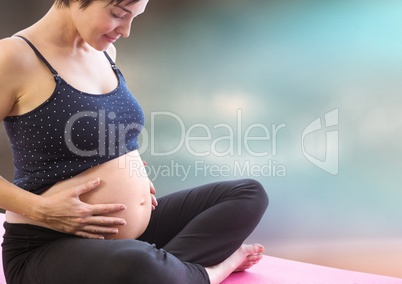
column 111, row 39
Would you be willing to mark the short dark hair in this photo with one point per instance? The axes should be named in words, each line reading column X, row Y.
column 86, row 3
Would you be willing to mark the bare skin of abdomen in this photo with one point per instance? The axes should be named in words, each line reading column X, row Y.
column 123, row 181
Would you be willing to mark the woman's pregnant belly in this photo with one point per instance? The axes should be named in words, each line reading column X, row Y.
column 123, row 181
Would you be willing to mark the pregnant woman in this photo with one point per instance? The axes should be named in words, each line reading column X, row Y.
column 75, row 212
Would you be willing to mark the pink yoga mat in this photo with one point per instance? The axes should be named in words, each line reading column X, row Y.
column 272, row 270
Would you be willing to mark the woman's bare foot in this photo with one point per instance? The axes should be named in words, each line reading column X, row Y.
column 242, row 259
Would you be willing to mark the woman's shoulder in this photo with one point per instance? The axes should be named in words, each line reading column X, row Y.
column 9, row 64
column 14, row 56
column 7, row 50
column 15, row 65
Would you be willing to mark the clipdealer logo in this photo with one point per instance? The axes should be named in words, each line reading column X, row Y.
column 201, row 141
column 330, row 164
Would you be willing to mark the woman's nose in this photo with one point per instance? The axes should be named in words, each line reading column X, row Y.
column 125, row 29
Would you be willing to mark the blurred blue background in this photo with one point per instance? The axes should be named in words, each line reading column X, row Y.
column 266, row 70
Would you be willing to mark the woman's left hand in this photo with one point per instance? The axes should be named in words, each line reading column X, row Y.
column 153, row 192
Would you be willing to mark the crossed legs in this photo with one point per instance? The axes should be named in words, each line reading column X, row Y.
column 194, row 236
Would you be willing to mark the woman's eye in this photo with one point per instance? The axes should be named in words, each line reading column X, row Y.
column 118, row 16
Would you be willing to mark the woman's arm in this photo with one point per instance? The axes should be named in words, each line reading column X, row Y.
column 63, row 211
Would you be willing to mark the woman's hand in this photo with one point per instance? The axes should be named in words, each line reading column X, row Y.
column 65, row 212
column 153, row 192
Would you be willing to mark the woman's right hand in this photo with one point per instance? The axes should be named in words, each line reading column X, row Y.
column 65, row 212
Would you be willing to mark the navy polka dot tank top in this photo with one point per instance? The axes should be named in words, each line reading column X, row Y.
column 71, row 132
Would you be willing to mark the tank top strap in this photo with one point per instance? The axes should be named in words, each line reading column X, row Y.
column 110, row 60
column 54, row 72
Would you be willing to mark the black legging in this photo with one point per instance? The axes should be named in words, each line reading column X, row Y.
column 189, row 230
